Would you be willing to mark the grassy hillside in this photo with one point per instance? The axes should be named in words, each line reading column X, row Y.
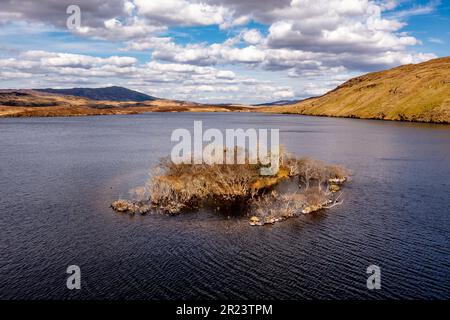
column 419, row 92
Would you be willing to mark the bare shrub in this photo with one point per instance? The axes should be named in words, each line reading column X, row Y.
column 274, row 205
column 177, row 187
column 290, row 162
column 337, row 172
column 316, row 197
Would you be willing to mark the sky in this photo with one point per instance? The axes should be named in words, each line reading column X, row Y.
column 215, row 51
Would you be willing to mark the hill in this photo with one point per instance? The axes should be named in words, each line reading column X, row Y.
column 113, row 93
column 276, row 103
column 33, row 103
column 415, row 92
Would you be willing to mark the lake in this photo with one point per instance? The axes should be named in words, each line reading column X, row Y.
column 59, row 175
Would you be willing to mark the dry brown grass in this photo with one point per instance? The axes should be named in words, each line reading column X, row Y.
column 419, row 92
column 29, row 103
column 177, row 186
column 174, row 188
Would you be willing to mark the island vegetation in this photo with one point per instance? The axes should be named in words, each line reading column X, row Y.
column 301, row 186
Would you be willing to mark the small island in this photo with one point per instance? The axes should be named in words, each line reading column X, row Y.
column 301, row 186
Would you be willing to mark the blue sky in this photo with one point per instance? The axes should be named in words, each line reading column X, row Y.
column 433, row 29
column 219, row 50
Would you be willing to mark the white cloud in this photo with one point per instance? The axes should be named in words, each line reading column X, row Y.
column 167, row 80
column 114, row 29
column 284, row 94
column 52, row 59
column 302, row 33
column 226, row 74
column 330, row 26
column 436, row 40
column 182, row 12
column 415, row 10
column 252, row 36
column 250, row 54
column 129, row 7
column 309, row 45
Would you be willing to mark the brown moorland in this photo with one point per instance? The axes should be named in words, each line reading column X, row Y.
column 30, row 103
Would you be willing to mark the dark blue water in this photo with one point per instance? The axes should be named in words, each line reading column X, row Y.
column 59, row 175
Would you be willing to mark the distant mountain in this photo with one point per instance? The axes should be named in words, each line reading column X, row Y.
column 277, row 103
column 113, row 93
column 33, row 103
column 413, row 92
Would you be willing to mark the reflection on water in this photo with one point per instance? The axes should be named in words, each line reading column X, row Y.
column 59, row 176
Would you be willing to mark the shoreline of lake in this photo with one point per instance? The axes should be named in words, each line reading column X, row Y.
column 44, row 112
